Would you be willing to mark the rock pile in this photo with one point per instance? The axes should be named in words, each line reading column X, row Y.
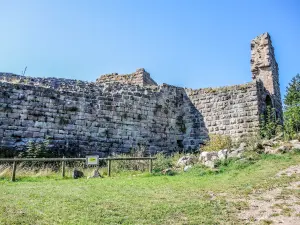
column 209, row 159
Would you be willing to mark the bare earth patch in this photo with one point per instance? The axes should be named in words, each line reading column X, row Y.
column 276, row 206
column 289, row 171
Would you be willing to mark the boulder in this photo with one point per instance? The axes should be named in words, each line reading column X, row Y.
column 295, row 144
column 187, row 168
column 77, row 174
column 186, row 160
column 95, row 174
column 295, row 141
column 267, row 143
column 283, row 148
column 235, row 154
column 270, row 150
column 222, row 154
column 208, row 156
column 242, row 146
column 210, row 164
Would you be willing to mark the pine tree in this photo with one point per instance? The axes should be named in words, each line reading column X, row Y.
column 292, row 107
column 31, row 150
column 292, row 96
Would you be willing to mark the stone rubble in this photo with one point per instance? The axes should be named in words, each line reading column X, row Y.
column 186, row 160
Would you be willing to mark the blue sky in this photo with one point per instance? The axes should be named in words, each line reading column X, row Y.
column 185, row 43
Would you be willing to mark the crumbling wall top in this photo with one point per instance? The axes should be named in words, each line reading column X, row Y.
column 139, row 77
column 262, row 54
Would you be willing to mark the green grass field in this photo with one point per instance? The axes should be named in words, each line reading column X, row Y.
column 195, row 197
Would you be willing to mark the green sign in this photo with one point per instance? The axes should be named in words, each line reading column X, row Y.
column 92, row 160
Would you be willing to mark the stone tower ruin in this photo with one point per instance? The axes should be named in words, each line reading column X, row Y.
column 264, row 68
column 119, row 113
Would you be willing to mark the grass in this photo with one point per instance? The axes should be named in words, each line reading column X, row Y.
column 196, row 197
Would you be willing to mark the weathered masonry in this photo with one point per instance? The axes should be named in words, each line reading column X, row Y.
column 120, row 112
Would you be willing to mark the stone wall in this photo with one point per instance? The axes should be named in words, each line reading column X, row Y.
column 50, row 82
column 140, row 77
column 100, row 118
column 231, row 110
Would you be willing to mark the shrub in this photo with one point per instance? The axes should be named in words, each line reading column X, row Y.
column 217, row 142
column 253, row 143
column 36, row 149
column 162, row 162
column 129, row 165
column 269, row 124
column 7, row 152
column 138, row 165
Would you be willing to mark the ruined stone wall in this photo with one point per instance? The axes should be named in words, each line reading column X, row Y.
column 140, row 77
column 99, row 118
column 232, row 110
column 50, row 82
column 264, row 68
column 120, row 112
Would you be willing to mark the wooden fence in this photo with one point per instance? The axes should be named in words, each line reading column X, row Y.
column 64, row 160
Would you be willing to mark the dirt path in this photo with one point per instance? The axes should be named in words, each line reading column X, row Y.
column 277, row 206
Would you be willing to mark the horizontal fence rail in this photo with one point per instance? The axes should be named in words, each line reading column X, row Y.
column 67, row 159
column 64, row 160
column 41, row 159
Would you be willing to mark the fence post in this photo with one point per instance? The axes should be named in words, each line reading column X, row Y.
column 63, row 167
column 13, row 175
column 150, row 166
column 108, row 167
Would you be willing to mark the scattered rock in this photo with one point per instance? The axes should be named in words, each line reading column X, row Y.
column 283, row 149
column 267, row 143
column 187, row 168
column 222, row 154
column 235, row 154
column 270, row 150
column 210, row 164
column 242, row 146
column 295, row 144
column 168, row 171
column 209, row 158
column 186, row 160
column 77, row 174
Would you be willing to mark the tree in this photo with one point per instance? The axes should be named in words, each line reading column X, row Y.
column 292, row 107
